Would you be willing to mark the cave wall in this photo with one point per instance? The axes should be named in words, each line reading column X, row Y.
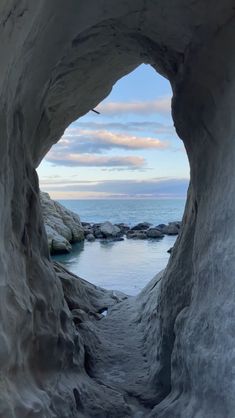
column 58, row 60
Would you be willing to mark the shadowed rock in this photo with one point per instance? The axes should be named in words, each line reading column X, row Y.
column 168, row 353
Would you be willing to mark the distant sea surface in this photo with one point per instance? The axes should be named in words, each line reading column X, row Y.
column 127, row 211
column 126, row 265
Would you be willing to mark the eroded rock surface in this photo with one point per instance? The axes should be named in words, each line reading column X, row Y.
column 63, row 227
column 59, row 60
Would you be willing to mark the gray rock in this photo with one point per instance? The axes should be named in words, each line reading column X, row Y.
column 90, row 237
column 137, row 234
column 171, row 229
column 142, row 226
column 160, row 226
column 97, row 233
column 169, row 352
column 109, row 230
column 57, row 243
column 62, row 226
column 87, row 231
column 86, row 224
column 154, row 233
column 123, row 227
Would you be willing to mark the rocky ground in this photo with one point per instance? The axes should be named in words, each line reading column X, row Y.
column 64, row 228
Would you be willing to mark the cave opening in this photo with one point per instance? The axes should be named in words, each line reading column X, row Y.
column 124, row 165
column 169, row 351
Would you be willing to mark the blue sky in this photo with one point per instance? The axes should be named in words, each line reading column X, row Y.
column 129, row 150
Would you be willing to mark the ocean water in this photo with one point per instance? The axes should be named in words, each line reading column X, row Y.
column 124, row 265
column 127, row 211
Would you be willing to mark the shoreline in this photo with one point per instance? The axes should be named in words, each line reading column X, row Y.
column 64, row 228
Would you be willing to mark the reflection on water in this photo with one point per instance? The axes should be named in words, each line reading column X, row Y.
column 124, row 265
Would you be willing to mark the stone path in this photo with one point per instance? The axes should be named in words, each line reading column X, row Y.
column 118, row 359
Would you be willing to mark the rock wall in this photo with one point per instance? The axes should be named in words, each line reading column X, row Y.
column 63, row 227
column 174, row 357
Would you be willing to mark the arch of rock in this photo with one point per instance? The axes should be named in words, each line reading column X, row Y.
column 170, row 351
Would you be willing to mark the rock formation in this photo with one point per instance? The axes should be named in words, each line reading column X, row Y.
column 63, row 227
column 170, row 351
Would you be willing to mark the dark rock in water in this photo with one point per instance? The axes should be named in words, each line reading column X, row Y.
column 136, row 234
column 87, row 231
column 140, row 235
column 142, row 226
column 97, row 233
column 90, row 237
column 171, row 229
column 130, row 232
column 177, row 224
column 170, row 250
column 160, row 226
column 154, row 233
column 86, row 224
column 109, row 230
column 123, row 227
column 96, row 225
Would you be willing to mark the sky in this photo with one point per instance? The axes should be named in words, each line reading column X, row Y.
column 129, row 150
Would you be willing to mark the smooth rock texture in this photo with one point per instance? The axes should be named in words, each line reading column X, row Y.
column 141, row 226
column 172, row 228
column 63, row 226
column 90, row 237
column 169, row 352
column 154, row 233
column 109, row 230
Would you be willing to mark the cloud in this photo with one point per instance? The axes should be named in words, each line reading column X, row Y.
column 161, row 106
column 151, row 188
column 133, row 126
column 91, row 141
column 86, row 160
column 79, row 148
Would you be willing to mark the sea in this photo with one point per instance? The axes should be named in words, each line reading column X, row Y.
column 128, row 265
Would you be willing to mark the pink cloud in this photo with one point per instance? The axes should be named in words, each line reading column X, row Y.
column 162, row 106
column 104, row 139
column 87, row 160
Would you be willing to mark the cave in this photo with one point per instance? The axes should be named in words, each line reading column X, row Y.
column 169, row 352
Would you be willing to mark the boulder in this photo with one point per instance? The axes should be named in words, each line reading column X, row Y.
column 86, row 224
column 136, row 234
column 172, row 228
column 109, row 230
column 87, row 231
column 63, row 227
column 142, row 226
column 90, row 237
column 97, row 233
column 123, row 227
column 154, row 233
column 57, row 243
column 160, row 226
